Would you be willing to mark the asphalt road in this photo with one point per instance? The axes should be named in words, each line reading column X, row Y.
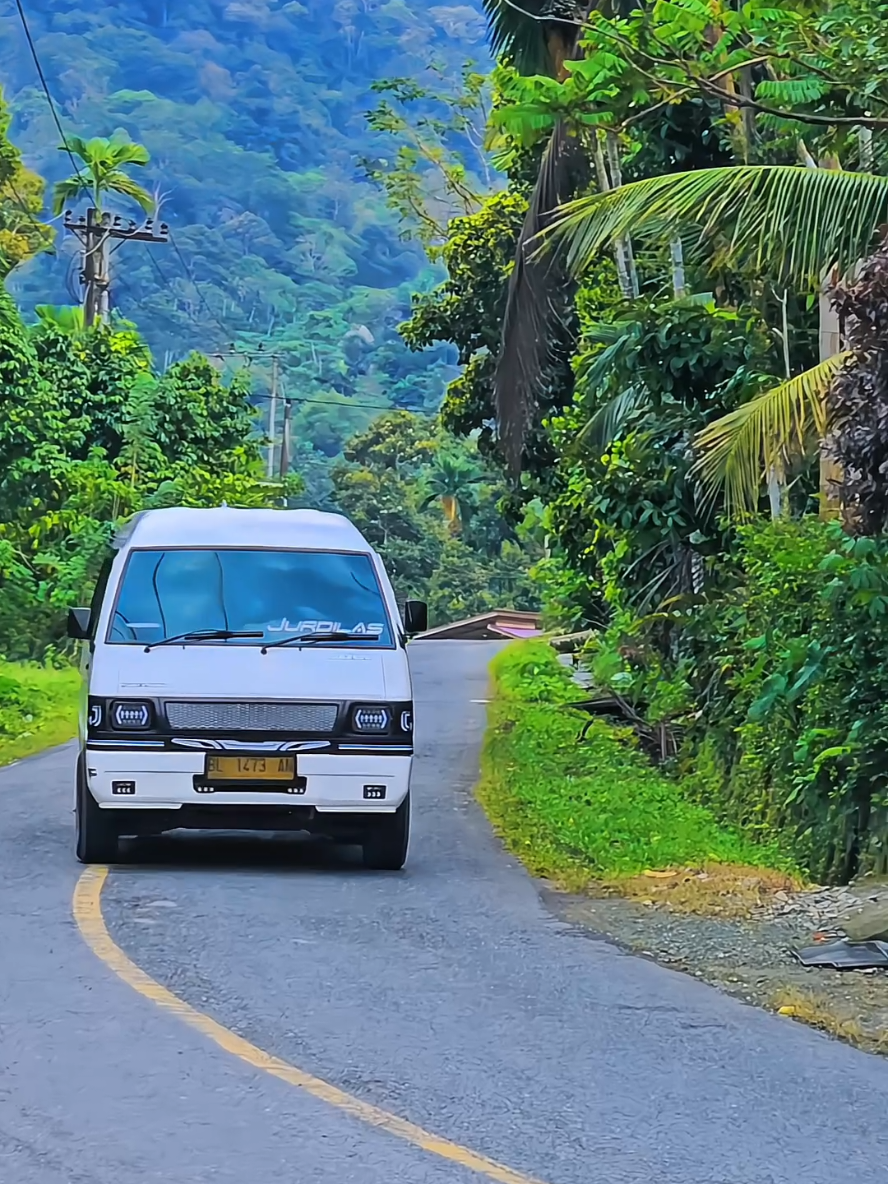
column 447, row 995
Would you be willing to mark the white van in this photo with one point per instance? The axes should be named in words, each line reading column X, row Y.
column 245, row 670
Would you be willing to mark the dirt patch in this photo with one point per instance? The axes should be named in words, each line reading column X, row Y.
column 714, row 890
column 750, row 956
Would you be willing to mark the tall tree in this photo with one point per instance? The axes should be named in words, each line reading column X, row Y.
column 22, row 235
column 537, row 38
column 790, row 223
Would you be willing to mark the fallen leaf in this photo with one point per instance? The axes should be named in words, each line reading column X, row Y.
column 786, row 1010
column 652, row 875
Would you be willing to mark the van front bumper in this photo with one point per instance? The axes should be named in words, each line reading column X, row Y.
column 335, row 783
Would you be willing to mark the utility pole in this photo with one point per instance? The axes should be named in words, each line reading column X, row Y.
column 285, row 443
column 94, row 232
column 250, row 356
column 272, row 415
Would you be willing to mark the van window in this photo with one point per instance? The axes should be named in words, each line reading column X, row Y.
column 275, row 593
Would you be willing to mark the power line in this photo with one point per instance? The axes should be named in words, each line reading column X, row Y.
column 166, row 284
column 337, row 403
column 158, row 269
column 45, row 85
column 188, row 271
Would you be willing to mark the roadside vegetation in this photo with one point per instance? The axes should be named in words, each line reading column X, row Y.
column 595, row 812
column 672, row 319
column 38, row 707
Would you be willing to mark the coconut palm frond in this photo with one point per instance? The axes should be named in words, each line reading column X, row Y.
column 784, row 219
column 537, row 286
column 779, row 425
column 518, row 37
column 535, row 36
column 606, row 332
column 617, row 338
column 608, row 421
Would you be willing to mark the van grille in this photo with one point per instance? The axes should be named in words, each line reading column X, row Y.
column 252, row 717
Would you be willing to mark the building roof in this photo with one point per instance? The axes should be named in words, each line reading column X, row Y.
column 228, row 527
column 503, row 623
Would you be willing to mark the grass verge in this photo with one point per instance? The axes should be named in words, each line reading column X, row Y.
column 598, row 812
column 38, row 708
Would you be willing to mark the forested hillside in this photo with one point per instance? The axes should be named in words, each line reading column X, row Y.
column 254, row 112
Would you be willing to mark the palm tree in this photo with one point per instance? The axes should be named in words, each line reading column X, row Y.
column 449, row 483
column 797, row 224
column 536, row 37
column 104, row 161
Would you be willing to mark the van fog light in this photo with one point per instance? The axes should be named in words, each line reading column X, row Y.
column 374, row 792
column 371, row 719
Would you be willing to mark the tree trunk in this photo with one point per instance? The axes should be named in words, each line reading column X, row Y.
column 616, row 176
column 777, row 491
column 830, row 343
column 676, row 251
column 623, row 274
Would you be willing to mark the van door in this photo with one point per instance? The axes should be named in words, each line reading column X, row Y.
column 86, row 651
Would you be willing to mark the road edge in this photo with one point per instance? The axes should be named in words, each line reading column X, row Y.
column 90, row 921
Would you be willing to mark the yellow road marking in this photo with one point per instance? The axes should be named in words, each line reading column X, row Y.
column 87, row 906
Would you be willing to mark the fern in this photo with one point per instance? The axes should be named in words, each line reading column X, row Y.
column 792, row 92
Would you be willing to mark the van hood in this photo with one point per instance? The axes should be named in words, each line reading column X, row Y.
column 243, row 672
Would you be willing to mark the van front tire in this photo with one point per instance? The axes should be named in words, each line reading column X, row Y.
column 385, row 843
column 97, row 838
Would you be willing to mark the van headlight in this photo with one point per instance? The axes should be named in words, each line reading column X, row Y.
column 371, row 719
column 131, row 715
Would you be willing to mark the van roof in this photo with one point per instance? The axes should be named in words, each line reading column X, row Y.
column 228, row 527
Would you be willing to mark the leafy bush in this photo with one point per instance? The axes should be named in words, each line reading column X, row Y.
column 791, row 674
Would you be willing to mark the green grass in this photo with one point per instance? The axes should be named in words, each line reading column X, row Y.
column 38, row 708
column 597, row 810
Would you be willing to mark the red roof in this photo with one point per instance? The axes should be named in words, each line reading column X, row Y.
column 503, row 623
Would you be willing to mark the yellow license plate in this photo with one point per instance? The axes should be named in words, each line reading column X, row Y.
column 251, row 768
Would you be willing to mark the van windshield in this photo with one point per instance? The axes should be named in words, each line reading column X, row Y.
column 273, row 594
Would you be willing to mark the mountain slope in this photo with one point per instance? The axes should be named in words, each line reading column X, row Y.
column 253, row 111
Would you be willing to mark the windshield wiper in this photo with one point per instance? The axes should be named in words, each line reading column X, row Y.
column 203, row 635
column 311, row 638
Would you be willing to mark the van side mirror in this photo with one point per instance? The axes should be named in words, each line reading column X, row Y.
column 79, row 622
column 416, row 617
